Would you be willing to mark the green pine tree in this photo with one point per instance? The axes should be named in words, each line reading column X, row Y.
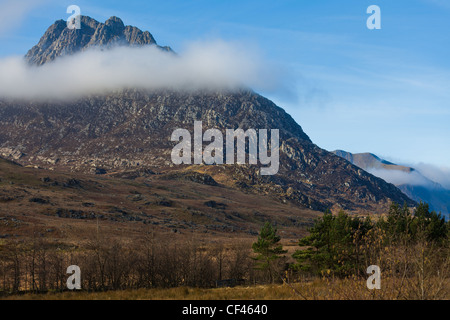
column 332, row 245
column 268, row 249
column 429, row 225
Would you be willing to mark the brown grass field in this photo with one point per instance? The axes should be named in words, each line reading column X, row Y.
column 317, row 289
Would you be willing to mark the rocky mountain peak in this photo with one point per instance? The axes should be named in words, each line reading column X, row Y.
column 116, row 24
column 59, row 40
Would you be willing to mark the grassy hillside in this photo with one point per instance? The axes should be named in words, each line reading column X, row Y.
column 69, row 207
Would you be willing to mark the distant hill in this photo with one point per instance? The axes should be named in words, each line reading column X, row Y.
column 369, row 160
column 409, row 180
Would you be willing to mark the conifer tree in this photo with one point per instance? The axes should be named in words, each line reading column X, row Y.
column 268, row 249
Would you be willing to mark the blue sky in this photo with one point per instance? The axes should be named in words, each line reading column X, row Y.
column 385, row 91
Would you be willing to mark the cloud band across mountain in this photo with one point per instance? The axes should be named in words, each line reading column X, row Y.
column 213, row 65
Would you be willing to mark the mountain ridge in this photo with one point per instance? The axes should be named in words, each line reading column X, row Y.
column 370, row 160
column 130, row 129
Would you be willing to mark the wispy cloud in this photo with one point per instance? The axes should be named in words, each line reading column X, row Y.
column 438, row 174
column 215, row 65
column 398, row 177
column 14, row 12
column 441, row 3
column 425, row 175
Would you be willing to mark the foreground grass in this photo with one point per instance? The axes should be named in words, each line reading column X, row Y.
column 320, row 289
column 180, row 293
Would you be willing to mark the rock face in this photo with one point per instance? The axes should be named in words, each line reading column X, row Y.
column 131, row 130
column 59, row 40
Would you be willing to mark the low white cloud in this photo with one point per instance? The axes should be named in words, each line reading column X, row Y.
column 214, row 65
column 425, row 175
column 398, row 177
column 438, row 174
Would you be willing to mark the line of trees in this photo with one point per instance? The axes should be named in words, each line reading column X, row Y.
column 40, row 266
column 412, row 250
column 344, row 245
column 409, row 247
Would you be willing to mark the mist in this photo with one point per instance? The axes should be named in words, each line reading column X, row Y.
column 212, row 65
column 425, row 175
column 398, row 177
column 438, row 174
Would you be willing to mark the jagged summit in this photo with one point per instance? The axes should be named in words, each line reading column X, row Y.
column 59, row 40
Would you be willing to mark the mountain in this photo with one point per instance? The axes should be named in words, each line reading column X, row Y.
column 59, row 40
column 127, row 133
column 409, row 180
